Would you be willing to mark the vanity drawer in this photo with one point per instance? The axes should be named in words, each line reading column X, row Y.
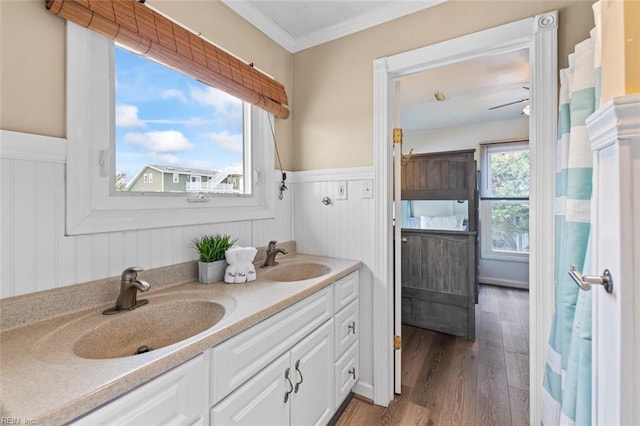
column 347, row 373
column 347, row 328
column 242, row 356
column 346, row 289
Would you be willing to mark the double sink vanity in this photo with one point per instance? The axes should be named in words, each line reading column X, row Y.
column 281, row 350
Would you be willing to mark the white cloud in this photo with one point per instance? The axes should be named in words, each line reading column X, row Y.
column 160, row 141
column 197, row 122
column 127, row 116
column 225, row 140
column 219, row 100
column 165, row 158
column 174, row 94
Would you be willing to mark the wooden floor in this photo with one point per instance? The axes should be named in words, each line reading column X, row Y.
column 447, row 380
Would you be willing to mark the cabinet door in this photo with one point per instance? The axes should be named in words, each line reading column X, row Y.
column 177, row 397
column 260, row 401
column 313, row 378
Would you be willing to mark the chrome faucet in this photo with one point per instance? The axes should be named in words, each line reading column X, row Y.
column 272, row 251
column 129, row 287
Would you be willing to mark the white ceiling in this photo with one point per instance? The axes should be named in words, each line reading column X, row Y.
column 472, row 86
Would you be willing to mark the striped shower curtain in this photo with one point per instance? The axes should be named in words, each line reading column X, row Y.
column 567, row 381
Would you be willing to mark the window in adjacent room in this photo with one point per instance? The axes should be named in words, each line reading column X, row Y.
column 505, row 200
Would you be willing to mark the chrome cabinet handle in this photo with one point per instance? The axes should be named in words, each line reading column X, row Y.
column 287, row 393
column 585, row 281
column 403, row 239
column 352, row 372
column 300, row 374
column 352, row 327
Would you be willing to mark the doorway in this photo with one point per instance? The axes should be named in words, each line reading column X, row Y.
column 539, row 35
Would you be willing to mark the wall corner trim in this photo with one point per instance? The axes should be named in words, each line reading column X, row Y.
column 328, row 175
column 27, row 146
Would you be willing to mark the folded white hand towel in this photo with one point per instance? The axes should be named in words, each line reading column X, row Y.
column 232, row 259
column 251, row 269
column 241, row 271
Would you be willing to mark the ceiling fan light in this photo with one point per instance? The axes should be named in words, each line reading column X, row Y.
column 526, row 110
column 440, row 96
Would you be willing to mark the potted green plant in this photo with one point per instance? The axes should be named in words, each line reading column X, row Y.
column 212, row 263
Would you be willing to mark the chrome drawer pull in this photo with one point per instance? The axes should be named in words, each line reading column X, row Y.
column 300, row 374
column 352, row 372
column 352, row 327
column 286, row 394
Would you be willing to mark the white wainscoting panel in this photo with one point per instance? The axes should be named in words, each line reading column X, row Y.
column 36, row 255
column 344, row 229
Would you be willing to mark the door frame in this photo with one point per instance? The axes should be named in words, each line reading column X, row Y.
column 539, row 35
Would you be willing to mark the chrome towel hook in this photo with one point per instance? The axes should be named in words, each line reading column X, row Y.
column 585, row 281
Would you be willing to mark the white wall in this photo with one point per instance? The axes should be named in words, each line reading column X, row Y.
column 36, row 255
column 342, row 229
column 497, row 272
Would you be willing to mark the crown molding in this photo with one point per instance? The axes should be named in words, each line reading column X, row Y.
column 292, row 44
column 262, row 22
column 374, row 17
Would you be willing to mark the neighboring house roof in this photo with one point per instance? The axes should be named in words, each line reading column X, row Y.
column 182, row 170
column 217, row 175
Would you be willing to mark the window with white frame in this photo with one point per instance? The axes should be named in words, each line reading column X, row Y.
column 97, row 197
column 504, row 199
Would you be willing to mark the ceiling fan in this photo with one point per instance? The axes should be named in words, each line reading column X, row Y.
column 511, row 103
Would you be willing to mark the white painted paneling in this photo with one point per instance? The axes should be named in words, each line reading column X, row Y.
column 343, row 229
column 45, row 225
column 22, row 231
column 6, row 230
column 36, row 255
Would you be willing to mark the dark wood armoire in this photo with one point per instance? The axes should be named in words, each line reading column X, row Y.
column 440, row 266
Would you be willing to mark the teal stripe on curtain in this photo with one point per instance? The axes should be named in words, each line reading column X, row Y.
column 575, row 183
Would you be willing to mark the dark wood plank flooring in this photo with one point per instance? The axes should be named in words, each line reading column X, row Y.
column 447, row 380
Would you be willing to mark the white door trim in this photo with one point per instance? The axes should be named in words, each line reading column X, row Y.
column 614, row 132
column 539, row 35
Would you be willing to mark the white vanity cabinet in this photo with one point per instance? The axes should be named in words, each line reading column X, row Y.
column 296, row 367
column 178, row 397
column 296, row 388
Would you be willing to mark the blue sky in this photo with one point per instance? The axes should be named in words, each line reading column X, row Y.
column 165, row 117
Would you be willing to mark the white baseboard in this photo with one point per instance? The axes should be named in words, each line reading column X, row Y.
column 363, row 389
column 504, row 283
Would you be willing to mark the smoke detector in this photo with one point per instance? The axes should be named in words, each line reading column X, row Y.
column 440, row 96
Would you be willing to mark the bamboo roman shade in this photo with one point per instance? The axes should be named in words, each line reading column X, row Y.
column 144, row 31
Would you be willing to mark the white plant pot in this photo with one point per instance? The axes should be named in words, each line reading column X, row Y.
column 210, row 272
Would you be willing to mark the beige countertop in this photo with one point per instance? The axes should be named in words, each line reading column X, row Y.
column 44, row 381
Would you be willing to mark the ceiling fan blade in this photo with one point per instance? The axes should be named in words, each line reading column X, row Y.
column 510, row 103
